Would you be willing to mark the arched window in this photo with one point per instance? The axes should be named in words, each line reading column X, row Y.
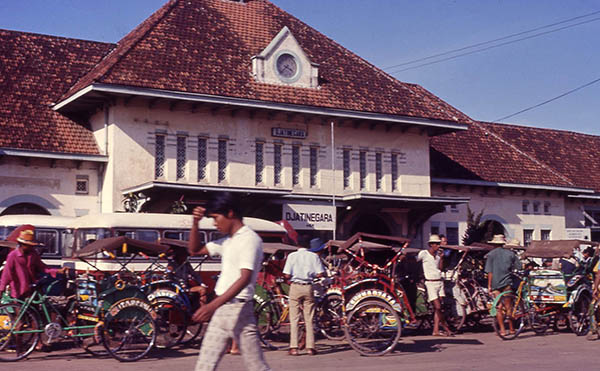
column 25, row 208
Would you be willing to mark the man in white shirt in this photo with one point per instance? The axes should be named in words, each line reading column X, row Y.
column 301, row 267
column 231, row 313
column 432, row 263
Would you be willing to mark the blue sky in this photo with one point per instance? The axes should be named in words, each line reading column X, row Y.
column 486, row 85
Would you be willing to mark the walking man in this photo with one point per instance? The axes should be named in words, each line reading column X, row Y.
column 432, row 263
column 301, row 267
column 499, row 266
column 231, row 313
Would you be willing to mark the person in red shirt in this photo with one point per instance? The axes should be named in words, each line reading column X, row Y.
column 24, row 266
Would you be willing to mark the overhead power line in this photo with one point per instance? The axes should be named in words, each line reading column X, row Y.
column 494, row 41
column 549, row 100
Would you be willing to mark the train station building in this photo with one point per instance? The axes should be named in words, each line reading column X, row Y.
column 220, row 95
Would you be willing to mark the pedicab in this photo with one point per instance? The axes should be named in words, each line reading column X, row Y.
column 375, row 305
column 547, row 296
column 467, row 299
column 103, row 309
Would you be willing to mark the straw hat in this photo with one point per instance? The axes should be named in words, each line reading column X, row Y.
column 498, row 239
column 513, row 243
column 434, row 238
column 27, row 237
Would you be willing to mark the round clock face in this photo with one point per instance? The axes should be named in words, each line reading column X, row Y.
column 287, row 66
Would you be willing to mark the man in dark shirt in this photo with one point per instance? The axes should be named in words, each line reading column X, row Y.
column 499, row 266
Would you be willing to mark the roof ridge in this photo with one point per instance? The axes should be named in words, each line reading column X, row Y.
column 54, row 36
column 527, row 155
column 123, row 46
column 539, row 128
column 379, row 71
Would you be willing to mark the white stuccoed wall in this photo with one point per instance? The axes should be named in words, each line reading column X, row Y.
column 131, row 151
column 504, row 208
column 50, row 187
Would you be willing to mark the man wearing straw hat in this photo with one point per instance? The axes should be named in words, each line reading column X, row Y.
column 24, row 265
column 499, row 266
column 432, row 263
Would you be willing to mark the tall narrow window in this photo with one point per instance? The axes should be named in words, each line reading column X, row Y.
column 260, row 164
column 222, row 159
column 313, row 166
column 527, row 236
column 201, row 158
column 346, row 168
column 394, row 172
column 181, row 156
column 545, row 234
column 362, row 158
column 277, row 163
column 452, row 235
column 378, row 171
column 296, row 165
column 159, row 157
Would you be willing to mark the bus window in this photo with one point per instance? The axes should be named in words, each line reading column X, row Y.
column 182, row 235
column 5, row 231
column 89, row 235
column 140, row 234
column 67, row 240
column 49, row 238
column 216, row 235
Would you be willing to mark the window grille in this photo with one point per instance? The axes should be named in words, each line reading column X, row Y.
column 378, row 171
column 181, row 156
column 259, row 163
column 313, row 166
column 547, row 207
column 277, row 163
column 82, row 184
column 363, row 169
column 525, row 206
column 545, row 234
column 346, row 160
column 201, row 158
column 222, row 159
column 295, row 165
column 394, row 172
column 527, row 236
column 159, row 157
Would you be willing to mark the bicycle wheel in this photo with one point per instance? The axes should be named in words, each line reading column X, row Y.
column 192, row 332
column 517, row 316
column 171, row 322
column 330, row 317
column 373, row 328
column 540, row 322
column 579, row 320
column 270, row 314
column 17, row 339
column 130, row 333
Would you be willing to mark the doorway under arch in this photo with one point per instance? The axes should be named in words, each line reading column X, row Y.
column 370, row 223
column 25, row 208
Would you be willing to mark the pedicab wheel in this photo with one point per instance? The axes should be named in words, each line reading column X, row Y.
column 579, row 319
column 192, row 332
column 540, row 323
column 330, row 317
column 373, row 328
column 518, row 317
column 90, row 338
column 16, row 346
column 130, row 333
column 171, row 322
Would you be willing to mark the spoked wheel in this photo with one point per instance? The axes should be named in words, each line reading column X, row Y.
column 271, row 314
column 509, row 311
column 330, row 317
column 91, row 342
column 192, row 332
column 579, row 320
column 540, row 322
column 171, row 322
column 17, row 338
column 373, row 328
column 130, row 333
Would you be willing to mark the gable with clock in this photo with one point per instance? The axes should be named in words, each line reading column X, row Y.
column 284, row 62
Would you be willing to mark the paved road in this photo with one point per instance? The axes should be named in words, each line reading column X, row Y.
column 469, row 351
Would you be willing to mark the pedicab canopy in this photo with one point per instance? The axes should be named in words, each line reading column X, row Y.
column 372, row 242
column 556, row 248
column 121, row 244
column 275, row 247
column 470, row 248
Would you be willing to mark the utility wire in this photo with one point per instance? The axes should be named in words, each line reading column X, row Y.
column 549, row 100
column 495, row 46
column 491, row 41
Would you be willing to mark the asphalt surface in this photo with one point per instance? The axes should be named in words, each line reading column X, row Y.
column 467, row 351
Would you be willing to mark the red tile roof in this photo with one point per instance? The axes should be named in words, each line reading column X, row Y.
column 35, row 70
column 206, row 46
column 517, row 154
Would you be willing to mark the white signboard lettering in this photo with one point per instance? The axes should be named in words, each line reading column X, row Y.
column 306, row 216
column 578, row 234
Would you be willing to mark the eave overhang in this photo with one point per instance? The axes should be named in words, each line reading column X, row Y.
column 52, row 155
column 483, row 183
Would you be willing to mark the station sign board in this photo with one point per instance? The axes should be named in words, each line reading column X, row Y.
column 309, row 216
